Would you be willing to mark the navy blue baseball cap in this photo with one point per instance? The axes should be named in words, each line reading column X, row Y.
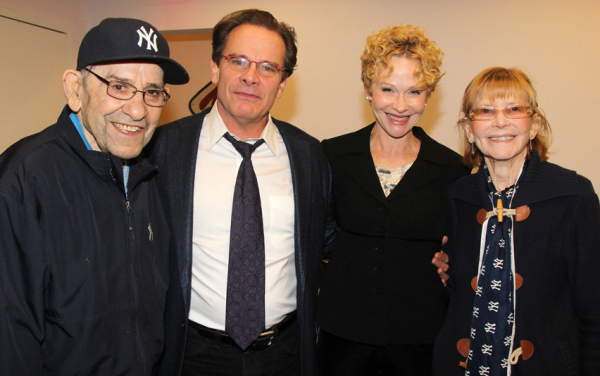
column 127, row 39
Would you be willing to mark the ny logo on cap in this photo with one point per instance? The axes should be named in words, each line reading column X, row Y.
column 145, row 35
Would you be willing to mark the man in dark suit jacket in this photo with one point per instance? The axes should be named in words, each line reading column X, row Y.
column 253, row 56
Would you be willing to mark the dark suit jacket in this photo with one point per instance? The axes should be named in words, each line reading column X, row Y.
column 379, row 286
column 174, row 150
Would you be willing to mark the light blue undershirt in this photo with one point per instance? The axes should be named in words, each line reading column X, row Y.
column 79, row 128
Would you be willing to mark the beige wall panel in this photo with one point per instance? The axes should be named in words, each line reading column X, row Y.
column 33, row 59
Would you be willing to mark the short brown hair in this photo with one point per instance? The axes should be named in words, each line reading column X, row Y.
column 256, row 17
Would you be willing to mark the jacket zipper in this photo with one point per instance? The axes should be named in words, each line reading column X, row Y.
column 134, row 286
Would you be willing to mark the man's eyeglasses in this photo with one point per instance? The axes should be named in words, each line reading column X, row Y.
column 124, row 91
column 264, row 68
column 490, row 113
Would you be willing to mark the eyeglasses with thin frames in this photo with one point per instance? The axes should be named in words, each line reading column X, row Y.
column 124, row 91
column 264, row 68
column 511, row 112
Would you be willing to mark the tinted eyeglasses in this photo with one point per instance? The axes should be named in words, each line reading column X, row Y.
column 490, row 113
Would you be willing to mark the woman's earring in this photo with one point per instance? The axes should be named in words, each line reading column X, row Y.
column 368, row 98
column 472, row 148
column 530, row 145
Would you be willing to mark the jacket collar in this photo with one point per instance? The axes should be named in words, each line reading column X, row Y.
column 357, row 151
column 541, row 181
column 107, row 167
column 359, row 142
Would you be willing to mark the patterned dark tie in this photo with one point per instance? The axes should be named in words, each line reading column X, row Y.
column 245, row 308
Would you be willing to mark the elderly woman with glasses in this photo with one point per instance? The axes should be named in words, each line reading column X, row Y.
column 524, row 245
column 381, row 302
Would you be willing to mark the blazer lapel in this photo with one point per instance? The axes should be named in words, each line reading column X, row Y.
column 421, row 173
column 361, row 169
column 356, row 161
column 413, row 181
column 183, row 151
column 301, row 169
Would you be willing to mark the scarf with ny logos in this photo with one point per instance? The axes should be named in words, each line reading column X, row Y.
column 492, row 324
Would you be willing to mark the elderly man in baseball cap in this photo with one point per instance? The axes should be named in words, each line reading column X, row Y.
column 83, row 235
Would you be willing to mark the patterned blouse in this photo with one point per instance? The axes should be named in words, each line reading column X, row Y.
column 389, row 179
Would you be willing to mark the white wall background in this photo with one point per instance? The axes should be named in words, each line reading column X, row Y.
column 555, row 41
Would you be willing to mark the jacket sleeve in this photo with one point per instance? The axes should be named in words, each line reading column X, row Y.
column 450, row 232
column 23, row 275
column 584, row 260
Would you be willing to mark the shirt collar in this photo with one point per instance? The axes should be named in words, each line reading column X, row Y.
column 216, row 128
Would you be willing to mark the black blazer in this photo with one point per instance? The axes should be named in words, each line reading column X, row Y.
column 174, row 149
column 379, row 286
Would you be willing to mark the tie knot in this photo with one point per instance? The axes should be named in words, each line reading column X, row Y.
column 245, row 149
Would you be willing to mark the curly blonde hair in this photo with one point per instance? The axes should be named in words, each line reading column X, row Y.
column 403, row 40
column 499, row 82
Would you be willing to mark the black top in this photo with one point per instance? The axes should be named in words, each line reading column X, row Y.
column 379, row 286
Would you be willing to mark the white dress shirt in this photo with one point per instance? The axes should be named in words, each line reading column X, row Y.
column 216, row 172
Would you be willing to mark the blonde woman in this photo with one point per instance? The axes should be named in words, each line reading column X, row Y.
column 381, row 302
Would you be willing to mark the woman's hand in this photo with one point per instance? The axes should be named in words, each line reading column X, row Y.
column 440, row 260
